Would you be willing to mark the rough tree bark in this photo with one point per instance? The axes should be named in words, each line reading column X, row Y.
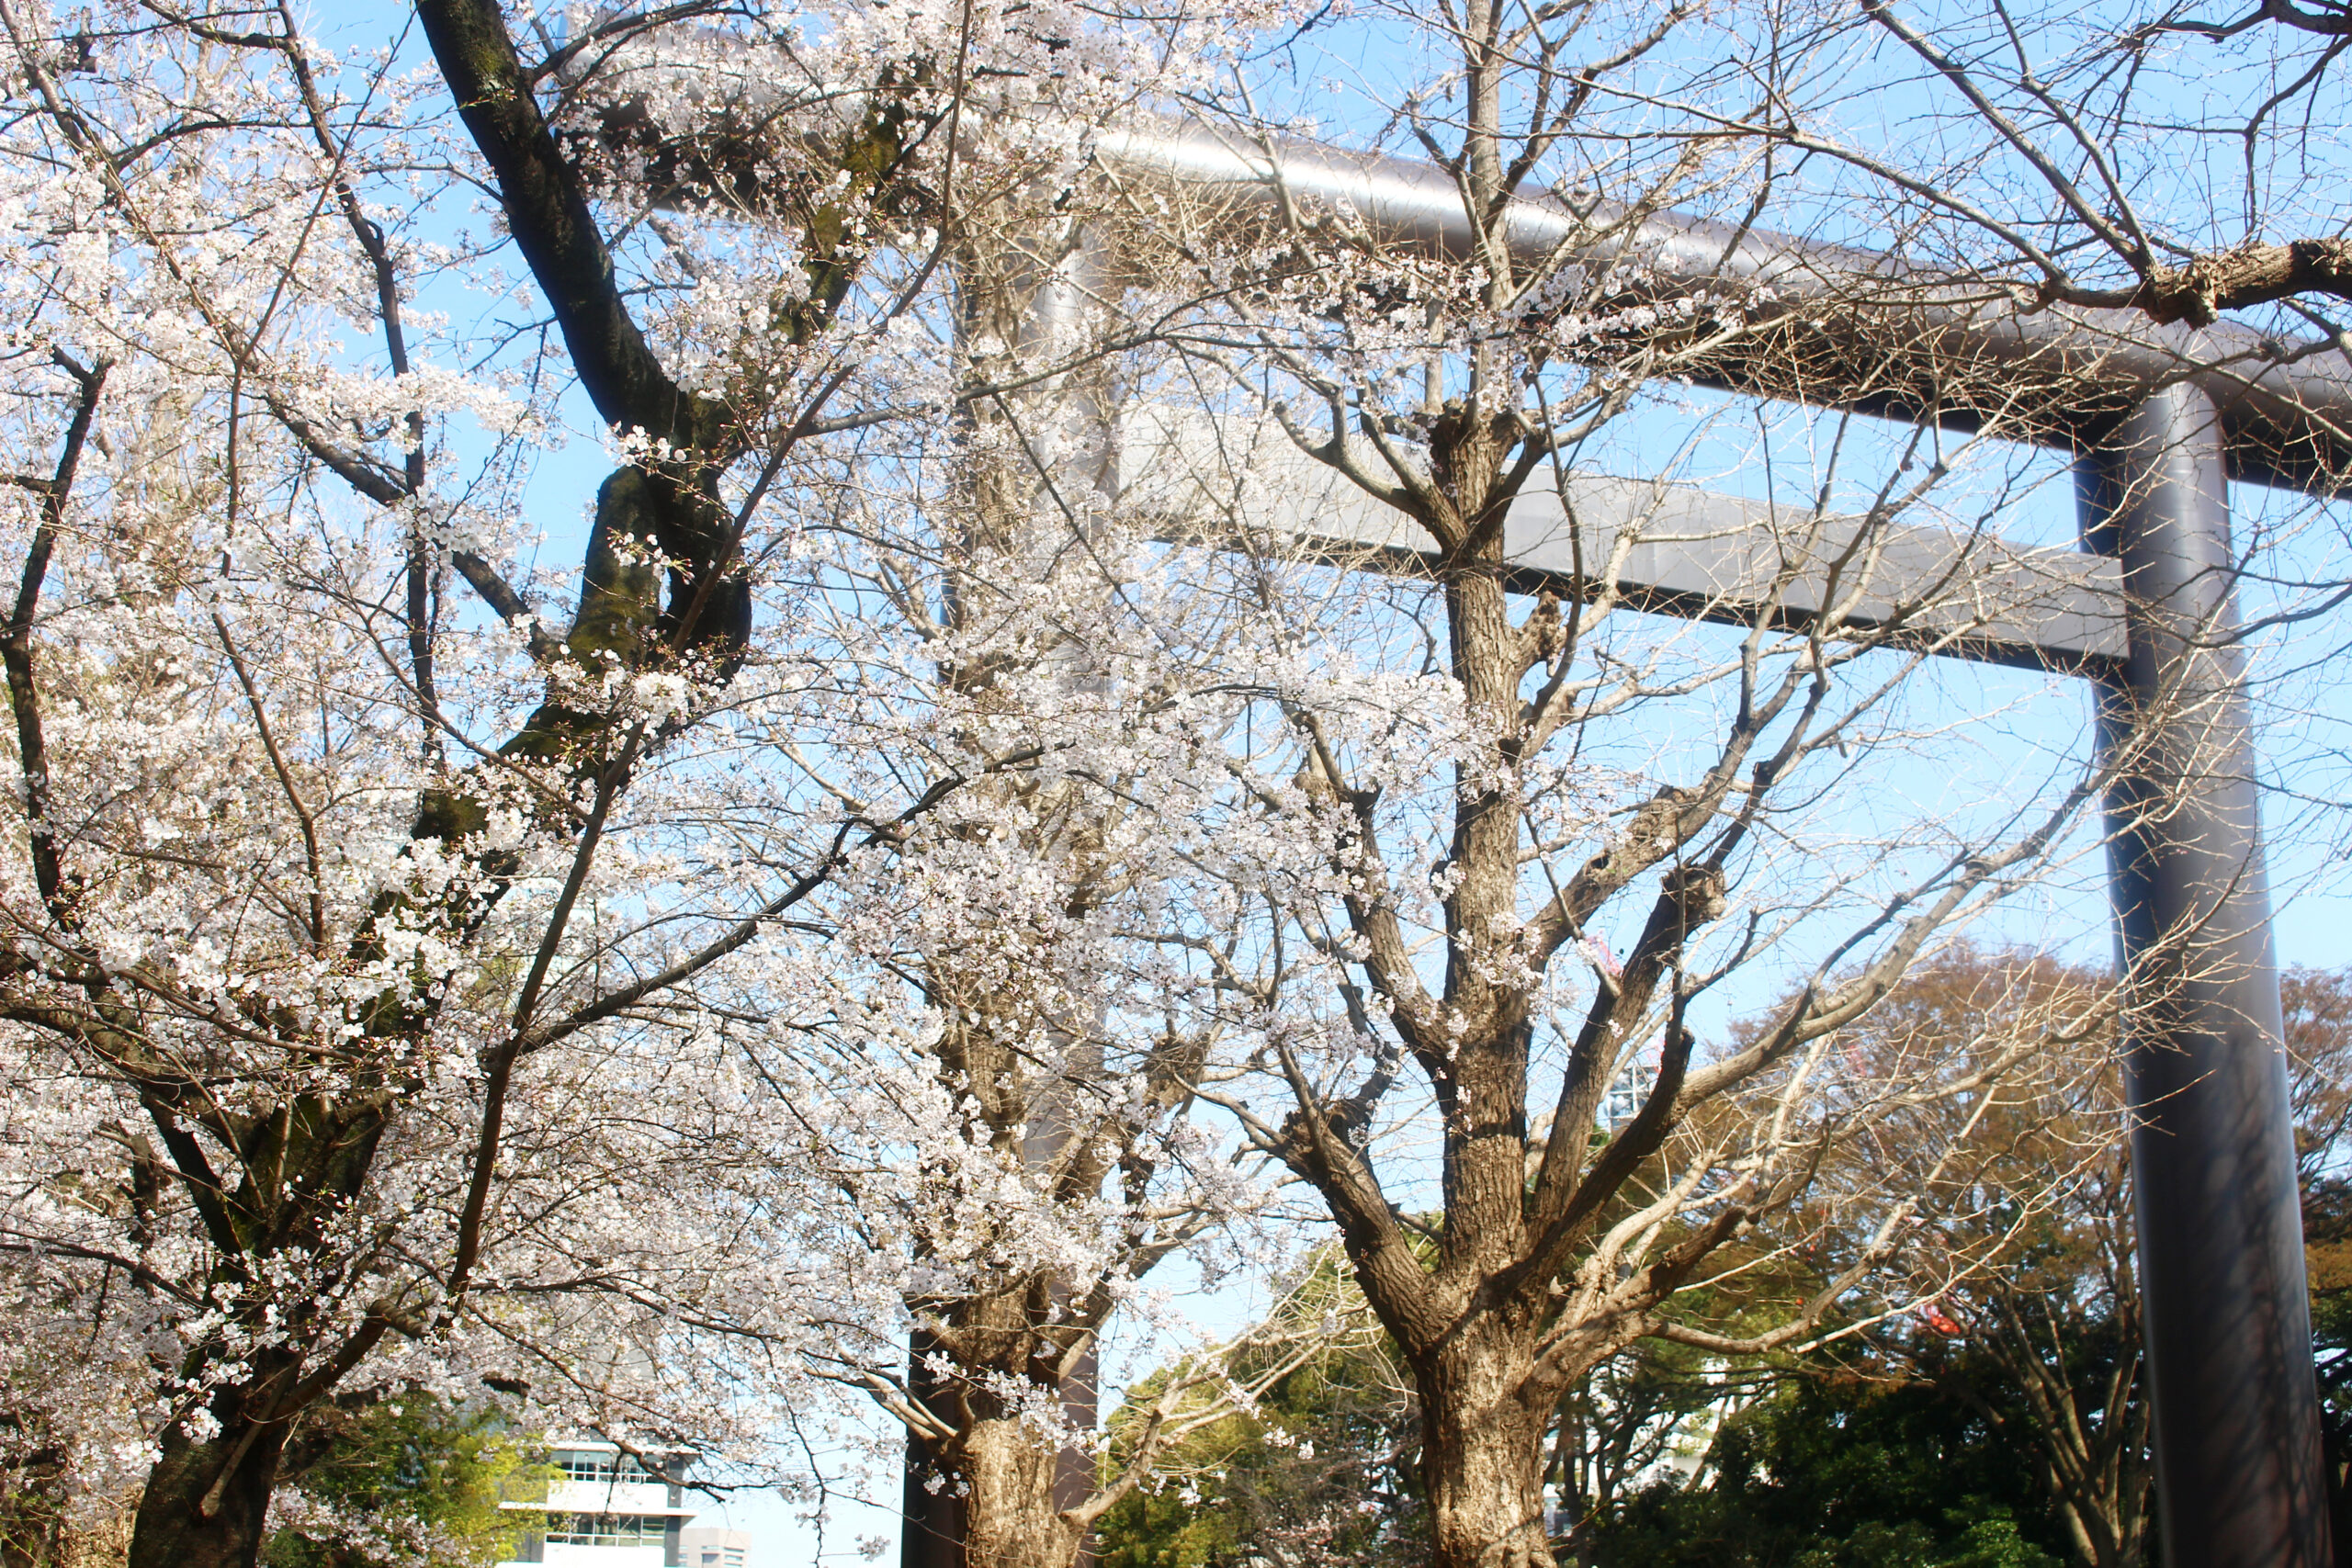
column 1482, row 1446
column 206, row 1502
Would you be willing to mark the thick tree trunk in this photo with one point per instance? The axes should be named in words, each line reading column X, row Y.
column 206, row 1503
column 1013, row 1478
column 1012, row 1514
column 1482, row 1455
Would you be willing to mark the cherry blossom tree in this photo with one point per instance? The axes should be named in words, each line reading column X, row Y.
column 950, row 797
column 649, row 1012
column 374, row 927
column 1024, row 1141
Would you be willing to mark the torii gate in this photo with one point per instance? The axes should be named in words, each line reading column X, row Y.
column 2157, row 420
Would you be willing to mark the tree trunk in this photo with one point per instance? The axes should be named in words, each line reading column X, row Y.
column 1012, row 1512
column 1482, row 1454
column 206, row 1503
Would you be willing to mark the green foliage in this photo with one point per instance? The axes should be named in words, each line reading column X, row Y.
column 1321, row 1471
column 1654, row 1402
column 2327, row 1237
column 1845, row 1472
column 424, row 1478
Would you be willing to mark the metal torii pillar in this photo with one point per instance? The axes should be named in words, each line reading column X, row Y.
column 2240, row 1470
column 2226, row 1316
column 931, row 1524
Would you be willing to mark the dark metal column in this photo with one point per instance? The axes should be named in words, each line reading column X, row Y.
column 2227, row 1319
column 931, row 1533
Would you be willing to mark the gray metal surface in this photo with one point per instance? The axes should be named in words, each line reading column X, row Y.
column 932, row 1532
column 1677, row 549
column 1815, row 322
column 1818, row 322
column 1821, row 323
column 2227, row 1321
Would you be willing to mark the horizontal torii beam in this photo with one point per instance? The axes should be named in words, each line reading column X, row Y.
column 1808, row 322
column 2158, row 419
column 1678, row 549
column 1820, row 323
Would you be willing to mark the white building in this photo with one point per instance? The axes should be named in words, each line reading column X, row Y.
column 708, row 1548
column 602, row 1509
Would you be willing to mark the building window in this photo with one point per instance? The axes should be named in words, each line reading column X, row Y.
column 606, row 1529
column 579, row 1465
column 1627, row 1095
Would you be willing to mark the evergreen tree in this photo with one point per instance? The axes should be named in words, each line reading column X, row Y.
column 394, row 1483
